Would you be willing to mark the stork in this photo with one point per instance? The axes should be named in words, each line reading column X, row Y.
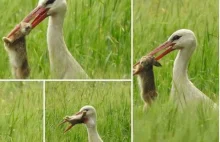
column 63, row 65
column 183, row 91
column 87, row 116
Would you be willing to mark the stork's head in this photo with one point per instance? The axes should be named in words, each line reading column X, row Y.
column 44, row 9
column 86, row 115
column 53, row 6
column 90, row 117
column 183, row 39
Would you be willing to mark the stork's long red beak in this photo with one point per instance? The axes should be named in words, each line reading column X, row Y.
column 34, row 17
column 168, row 45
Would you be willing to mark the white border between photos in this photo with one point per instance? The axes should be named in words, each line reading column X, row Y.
column 44, row 111
column 132, row 45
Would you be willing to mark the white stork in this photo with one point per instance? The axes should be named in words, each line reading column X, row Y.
column 62, row 63
column 183, row 91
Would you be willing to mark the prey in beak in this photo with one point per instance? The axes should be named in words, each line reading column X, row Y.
column 74, row 119
column 17, row 52
column 33, row 18
column 24, row 30
column 168, row 46
column 146, row 64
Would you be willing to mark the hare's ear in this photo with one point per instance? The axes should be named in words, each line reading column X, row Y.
column 156, row 63
column 6, row 40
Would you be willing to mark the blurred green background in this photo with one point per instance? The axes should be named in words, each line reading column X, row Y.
column 21, row 112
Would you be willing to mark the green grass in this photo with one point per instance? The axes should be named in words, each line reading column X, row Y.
column 21, row 111
column 97, row 34
column 112, row 103
column 163, row 123
column 154, row 22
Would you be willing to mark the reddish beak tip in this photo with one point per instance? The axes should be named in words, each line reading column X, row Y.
column 135, row 73
column 64, row 121
column 136, row 64
column 138, row 69
column 68, row 128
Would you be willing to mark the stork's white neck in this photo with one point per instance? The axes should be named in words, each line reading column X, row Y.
column 56, row 45
column 181, row 64
column 62, row 63
column 55, row 38
column 182, row 89
column 93, row 134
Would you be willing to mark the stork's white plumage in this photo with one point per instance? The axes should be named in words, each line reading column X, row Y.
column 183, row 91
column 63, row 65
column 86, row 115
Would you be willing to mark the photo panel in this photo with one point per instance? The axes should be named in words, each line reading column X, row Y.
column 21, row 111
column 177, row 101
column 97, row 110
column 80, row 40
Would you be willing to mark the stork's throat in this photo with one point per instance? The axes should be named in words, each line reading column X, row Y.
column 180, row 66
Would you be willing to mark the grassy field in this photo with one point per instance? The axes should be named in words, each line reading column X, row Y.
column 96, row 32
column 21, row 111
column 112, row 103
column 154, row 22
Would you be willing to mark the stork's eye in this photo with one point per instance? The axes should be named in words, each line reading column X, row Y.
column 176, row 37
column 50, row 2
column 86, row 109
